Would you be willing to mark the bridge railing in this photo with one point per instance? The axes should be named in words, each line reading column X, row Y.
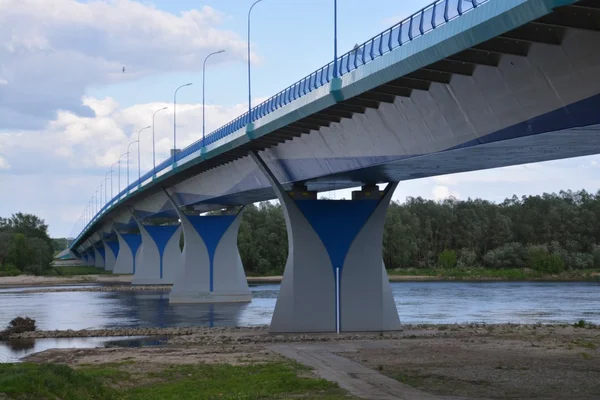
column 418, row 24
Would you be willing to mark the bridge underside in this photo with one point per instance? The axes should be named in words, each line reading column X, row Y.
column 529, row 95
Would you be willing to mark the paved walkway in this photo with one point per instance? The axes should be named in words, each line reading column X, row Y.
column 357, row 379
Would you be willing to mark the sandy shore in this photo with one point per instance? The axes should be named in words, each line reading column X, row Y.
column 29, row 280
column 469, row 361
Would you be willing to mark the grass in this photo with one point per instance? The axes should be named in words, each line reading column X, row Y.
column 500, row 274
column 33, row 381
column 200, row 381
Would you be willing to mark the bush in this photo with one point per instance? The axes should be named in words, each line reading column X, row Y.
column 9, row 270
column 467, row 258
column 447, row 259
column 542, row 260
column 596, row 255
column 579, row 261
column 511, row 255
column 33, row 269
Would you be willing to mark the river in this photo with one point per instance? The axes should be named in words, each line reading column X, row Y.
column 417, row 302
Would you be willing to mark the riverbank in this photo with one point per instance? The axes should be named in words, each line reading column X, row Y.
column 408, row 275
column 471, row 361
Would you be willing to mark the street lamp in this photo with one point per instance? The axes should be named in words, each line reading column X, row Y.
column 128, row 146
column 175, row 119
column 98, row 198
column 203, row 85
column 106, row 186
column 138, row 140
column 124, row 154
column 153, row 151
column 335, row 63
column 249, row 81
column 111, row 184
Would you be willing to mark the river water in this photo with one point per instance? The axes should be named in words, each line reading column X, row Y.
column 417, row 302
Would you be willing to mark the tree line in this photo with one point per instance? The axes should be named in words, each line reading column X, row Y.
column 25, row 246
column 549, row 233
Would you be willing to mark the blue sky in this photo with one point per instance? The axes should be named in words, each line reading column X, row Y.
column 292, row 39
column 67, row 111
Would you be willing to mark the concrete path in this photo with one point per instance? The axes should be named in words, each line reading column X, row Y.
column 355, row 378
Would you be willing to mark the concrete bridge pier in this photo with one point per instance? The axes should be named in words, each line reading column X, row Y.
column 128, row 251
column 334, row 279
column 99, row 255
column 212, row 270
column 84, row 257
column 111, row 251
column 91, row 256
column 159, row 261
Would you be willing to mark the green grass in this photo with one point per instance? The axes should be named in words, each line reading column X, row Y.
column 263, row 381
column 33, row 381
column 200, row 381
column 488, row 273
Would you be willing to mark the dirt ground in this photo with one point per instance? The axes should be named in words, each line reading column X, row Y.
column 466, row 361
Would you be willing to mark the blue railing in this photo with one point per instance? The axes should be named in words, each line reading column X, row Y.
column 418, row 24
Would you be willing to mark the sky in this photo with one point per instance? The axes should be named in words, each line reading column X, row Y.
column 67, row 111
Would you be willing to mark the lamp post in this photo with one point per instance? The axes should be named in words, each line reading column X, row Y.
column 111, row 184
column 124, row 154
column 106, row 186
column 99, row 198
column 249, row 81
column 175, row 119
column 335, row 64
column 153, row 150
column 203, row 85
column 138, row 140
column 128, row 146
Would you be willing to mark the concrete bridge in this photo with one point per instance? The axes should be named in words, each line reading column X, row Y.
column 461, row 85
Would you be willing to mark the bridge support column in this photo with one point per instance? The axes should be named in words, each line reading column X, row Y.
column 111, row 251
column 99, row 255
column 127, row 255
column 212, row 270
column 160, row 256
column 334, row 279
column 91, row 256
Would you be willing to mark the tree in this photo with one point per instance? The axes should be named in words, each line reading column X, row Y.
column 24, row 243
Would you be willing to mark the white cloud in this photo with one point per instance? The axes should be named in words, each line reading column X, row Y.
column 3, row 163
column 3, row 81
column 443, row 192
column 67, row 160
column 51, row 51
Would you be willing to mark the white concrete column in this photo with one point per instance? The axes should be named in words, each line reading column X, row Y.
column 212, row 270
column 98, row 256
column 91, row 260
column 160, row 256
column 111, row 250
column 334, row 278
column 128, row 255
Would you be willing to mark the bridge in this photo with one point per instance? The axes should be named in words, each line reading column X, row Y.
column 461, row 85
